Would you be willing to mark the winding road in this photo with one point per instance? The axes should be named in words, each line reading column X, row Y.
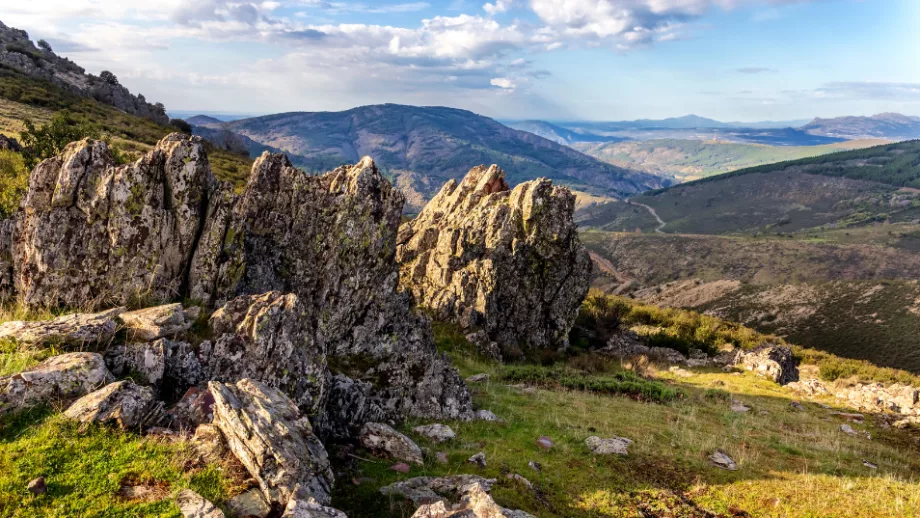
column 661, row 222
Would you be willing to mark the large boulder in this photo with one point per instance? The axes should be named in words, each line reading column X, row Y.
column 77, row 329
column 62, row 377
column 92, row 232
column 159, row 321
column 773, row 362
column 265, row 430
column 123, row 403
column 508, row 262
column 382, row 439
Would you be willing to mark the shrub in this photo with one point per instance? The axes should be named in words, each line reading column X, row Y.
column 181, row 125
column 622, row 383
column 44, row 45
column 14, row 180
column 599, row 318
column 109, row 78
column 41, row 143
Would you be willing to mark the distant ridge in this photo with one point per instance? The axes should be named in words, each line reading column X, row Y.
column 894, row 126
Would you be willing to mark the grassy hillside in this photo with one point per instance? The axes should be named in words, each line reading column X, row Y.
column 420, row 148
column 693, row 159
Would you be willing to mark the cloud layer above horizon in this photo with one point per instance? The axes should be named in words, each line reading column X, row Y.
column 507, row 58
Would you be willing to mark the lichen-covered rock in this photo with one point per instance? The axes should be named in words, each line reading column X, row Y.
column 458, row 496
column 249, row 504
column 770, row 361
column 508, row 262
column 158, row 322
column 310, row 508
column 77, row 329
column 265, row 430
column 436, row 432
column 382, row 439
column 268, row 337
column 92, row 232
column 420, row 490
column 608, row 446
column 123, row 403
column 62, row 377
column 170, row 366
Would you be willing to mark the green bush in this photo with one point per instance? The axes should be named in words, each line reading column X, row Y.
column 41, row 143
column 599, row 318
column 623, row 383
column 14, row 180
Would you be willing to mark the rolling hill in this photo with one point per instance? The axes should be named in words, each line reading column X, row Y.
column 420, row 148
column 557, row 133
column 893, row 126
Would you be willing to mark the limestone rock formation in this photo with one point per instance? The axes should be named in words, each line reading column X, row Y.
column 77, row 329
column 770, row 361
column 507, row 262
column 62, row 377
column 267, row 433
column 123, row 403
column 92, row 233
column 193, row 505
column 18, row 52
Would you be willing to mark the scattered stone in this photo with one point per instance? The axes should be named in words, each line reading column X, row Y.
column 382, row 439
column 62, row 377
column 478, row 378
column 545, row 442
column 250, row 504
column 158, row 322
column 310, row 508
column 435, row 432
column 78, row 329
column 536, row 466
column 487, row 415
column 720, row 459
column 796, row 406
column 441, row 457
column 193, row 505
column 739, row 407
column 421, row 490
column 266, row 431
column 37, row 486
column 869, row 465
column 129, row 406
column 847, row 429
column 770, row 361
column 611, row 446
column 857, row 418
column 479, row 459
column 401, row 467
column 468, row 256
column 519, row 479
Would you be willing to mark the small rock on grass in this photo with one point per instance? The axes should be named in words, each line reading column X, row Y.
column 487, row 415
column 739, row 407
column 478, row 378
column 720, row 459
column 796, row 406
column 518, row 478
column 436, row 432
column 193, row 505
column 847, row 429
column 869, row 465
column 478, row 459
column 611, row 446
column 536, row 466
column 37, row 486
column 545, row 442
column 401, row 467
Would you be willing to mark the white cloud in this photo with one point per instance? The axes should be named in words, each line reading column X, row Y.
column 500, row 6
column 503, row 83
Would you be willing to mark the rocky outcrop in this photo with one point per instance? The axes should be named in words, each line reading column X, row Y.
column 78, row 329
column 458, row 496
column 507, row 262
column 93, row 233
column 310, row 509
column 773, row 362
column 123, row 403
column 62, row 377
column 265, row 430
column 870, row 397
column 18, row 52
column 170, row 366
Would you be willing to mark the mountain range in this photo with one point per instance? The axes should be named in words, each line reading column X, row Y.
column 892, row 126
column 420, row 148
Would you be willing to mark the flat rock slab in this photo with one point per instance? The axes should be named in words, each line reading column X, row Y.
column 76, row 329
column 436, row 432
column 250, row 504
column 193, row 505
column 158, row 322
column 382, row 439
column 720, row 459
column 487, row 415
column 62, row 377
column 266, row 432
column 123, row 403
column 610, row 446
column 422, row 490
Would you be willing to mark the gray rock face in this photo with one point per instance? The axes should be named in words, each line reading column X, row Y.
column 18, row 52
column 62, row 377
column 508, row 262
column 384, row 440
column 122, row 403
column 170, row 366
column 78, row 329
column 193, row 505
column 267, row 433
column 772, row 362
column 158, row 322
column 92, row 232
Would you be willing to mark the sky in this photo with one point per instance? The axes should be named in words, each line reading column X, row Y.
column 732, row 60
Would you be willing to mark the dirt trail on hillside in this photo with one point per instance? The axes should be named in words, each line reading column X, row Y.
column 661, row 222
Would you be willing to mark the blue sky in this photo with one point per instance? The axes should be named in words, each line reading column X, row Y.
column 554, row 59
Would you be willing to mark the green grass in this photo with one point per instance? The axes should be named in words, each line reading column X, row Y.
column 791, row 463
column 84, row 468
column 624, row 383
